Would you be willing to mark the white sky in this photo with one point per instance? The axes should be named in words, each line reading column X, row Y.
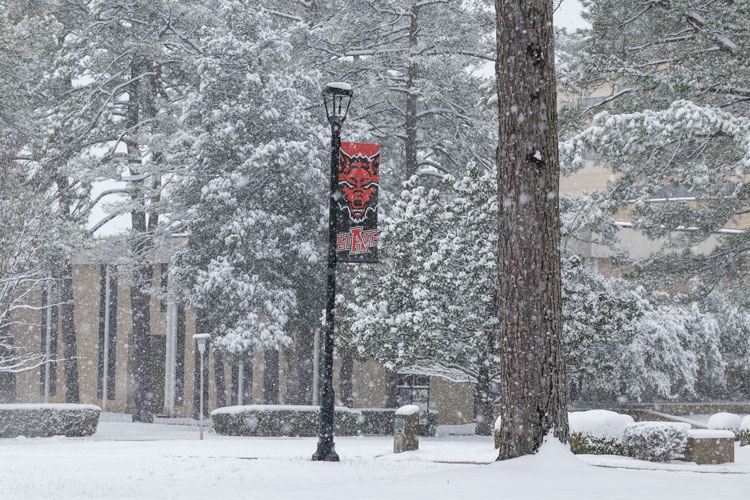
column 569, row 15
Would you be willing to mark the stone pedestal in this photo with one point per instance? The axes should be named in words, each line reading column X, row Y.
column 405, row 429
column 710, row 447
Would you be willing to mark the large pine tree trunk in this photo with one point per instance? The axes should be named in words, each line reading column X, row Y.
column 142, row 90
column 531, row 358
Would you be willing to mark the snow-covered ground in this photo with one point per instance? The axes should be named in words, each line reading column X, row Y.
column 161, row 461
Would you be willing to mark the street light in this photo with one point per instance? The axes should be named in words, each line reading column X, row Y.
column 201, row 339
column 337, row 97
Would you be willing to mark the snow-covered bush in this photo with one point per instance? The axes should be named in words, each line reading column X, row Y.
column 744, row 433
column 598, row 432
column 45, row 420
column 656, row 441
column 376, row 421
column 725, row 421
column 281, row 420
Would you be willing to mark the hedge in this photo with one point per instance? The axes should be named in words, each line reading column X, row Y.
column 45, row 420
column 281, row 420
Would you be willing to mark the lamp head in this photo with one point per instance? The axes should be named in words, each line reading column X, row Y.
column 201, row 339
column 337, row 96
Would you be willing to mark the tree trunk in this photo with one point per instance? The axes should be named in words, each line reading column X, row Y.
column 410, row 146
column 345, row 381
column 141, row 106
column 220, row 381
column 299, row 368
column 391, row 389
column 531, row 359
column 8, row 389
column 271, row 377
column 483, row 404
column 67, row 324
column 141, row 370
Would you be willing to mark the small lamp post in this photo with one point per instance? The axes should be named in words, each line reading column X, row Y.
column 201, row 339
column 337, row 97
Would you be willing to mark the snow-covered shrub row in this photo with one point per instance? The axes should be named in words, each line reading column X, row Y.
column 744, row 434
column 281, row 420
column 45, row 420
column 725, row 421
column 656, row 441
column 598, row 432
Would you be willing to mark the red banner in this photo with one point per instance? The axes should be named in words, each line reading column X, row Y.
column 357, row 198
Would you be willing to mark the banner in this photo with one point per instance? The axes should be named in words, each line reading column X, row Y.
column 357, row 199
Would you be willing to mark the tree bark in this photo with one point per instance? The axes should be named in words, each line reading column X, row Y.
column 391, row 389
column 299, row 368
column 67, row 324
column 271, row 377
column 410, row 146
column 346, row 387
column 220, row 381
column 142, row 93
column 483, row 404
column 532, row 380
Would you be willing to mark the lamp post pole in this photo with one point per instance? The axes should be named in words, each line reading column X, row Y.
column 336, row 96
column 201, row 339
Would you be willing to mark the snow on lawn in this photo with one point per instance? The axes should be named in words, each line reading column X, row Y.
column 158, row 461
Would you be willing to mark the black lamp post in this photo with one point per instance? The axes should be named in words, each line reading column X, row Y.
column 337, row 96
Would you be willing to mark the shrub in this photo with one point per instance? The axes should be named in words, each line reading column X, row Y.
column 725, row 422
column 744, row 434
column 281, row 420
column 656, row 441
column 429, row 427
column 45, row 420
column 376, row 421
column 598, row 432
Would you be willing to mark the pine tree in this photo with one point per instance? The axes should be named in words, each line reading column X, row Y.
column 674, row 128
column 252, row 194
column 124, row 62
column 430, row 307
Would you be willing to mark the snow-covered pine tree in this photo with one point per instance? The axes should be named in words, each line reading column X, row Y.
column 674, row 128
column 413, row 64
column 124, row 63
column 32, row 35
column 430, row 306
column 251, row 196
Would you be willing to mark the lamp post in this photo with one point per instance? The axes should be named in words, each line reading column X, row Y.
column 201, row 339
column 337, row 97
